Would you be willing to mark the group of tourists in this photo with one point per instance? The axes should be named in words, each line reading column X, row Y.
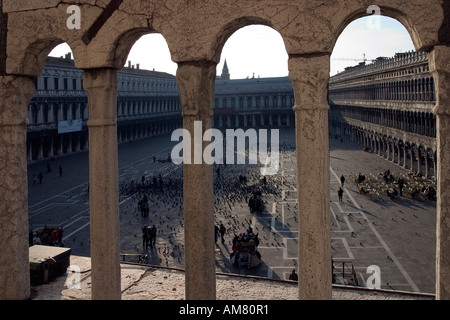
column 40, row 176
column 244, row 250
column 156, row 184
column 148, row 236
column 255, row 203
column 46, row 236
column 396, row 187
column 388, row 176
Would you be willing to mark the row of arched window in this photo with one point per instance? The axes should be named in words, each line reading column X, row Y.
column 422, row 123
column 147, row 106
column 71, row 79
column 148, row 84
column 48, row 112
column 255, row 102
column 420, row 89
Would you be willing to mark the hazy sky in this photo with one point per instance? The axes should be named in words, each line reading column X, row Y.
column 260, row 51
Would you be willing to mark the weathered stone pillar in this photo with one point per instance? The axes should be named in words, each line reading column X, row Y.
column 15, row 95
column 309, row 76
column 101, row 87
column 196, row 86
column 439, row 61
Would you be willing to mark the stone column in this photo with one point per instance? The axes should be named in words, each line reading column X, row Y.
column 15, row 95
column 439, row 60
column 196, row 83
column 427, row 166
column 101, row 87
column 309, row 76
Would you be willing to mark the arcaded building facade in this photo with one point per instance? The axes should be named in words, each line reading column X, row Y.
column 387, row 107
column 196, row 32
column 148, row 104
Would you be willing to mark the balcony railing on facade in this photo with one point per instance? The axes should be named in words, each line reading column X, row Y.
column 400, row 60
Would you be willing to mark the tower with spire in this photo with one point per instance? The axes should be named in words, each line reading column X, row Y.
column 225, row 72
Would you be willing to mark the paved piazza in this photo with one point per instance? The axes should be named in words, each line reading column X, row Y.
column 396, row 235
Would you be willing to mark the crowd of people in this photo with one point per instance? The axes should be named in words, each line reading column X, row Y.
column 156, row 184
column 255, row 202
column 46, row 236
column 157, row 197
column 396, row 186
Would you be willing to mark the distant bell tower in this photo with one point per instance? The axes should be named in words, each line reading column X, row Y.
column 225, row 73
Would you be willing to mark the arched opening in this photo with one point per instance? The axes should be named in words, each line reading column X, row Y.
column 57, row 145
column 148, row 112
column 376, row 73
column 253, row 93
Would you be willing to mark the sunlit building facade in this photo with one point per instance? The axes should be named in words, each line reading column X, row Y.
column 386, row 107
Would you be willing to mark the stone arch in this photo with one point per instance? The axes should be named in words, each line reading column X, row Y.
column 123, row 43
column 420, row 32
column 230, row 28
column 35, row 54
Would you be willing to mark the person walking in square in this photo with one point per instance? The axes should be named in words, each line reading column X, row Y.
column 216, row 233
column 293, row 276
column 342, row 181
column 152, row 236
column 340, row 193
column 222, row 230
column 145, row 236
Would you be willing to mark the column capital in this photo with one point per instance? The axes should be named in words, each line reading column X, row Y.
column 310, row 75
column 15, row 91
column 99, row 78
column 196, row 83
column 101, row 87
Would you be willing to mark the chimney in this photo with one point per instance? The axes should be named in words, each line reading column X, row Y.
column 69, row 56
column 137, row 66
column 129, row 64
